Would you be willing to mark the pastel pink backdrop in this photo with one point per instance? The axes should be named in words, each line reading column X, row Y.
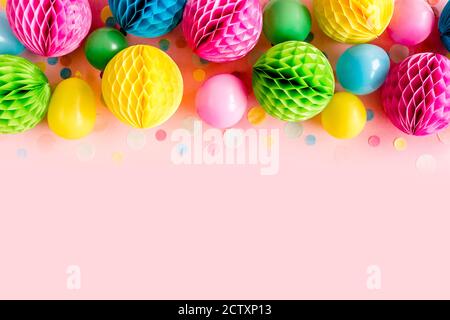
column 141, row 227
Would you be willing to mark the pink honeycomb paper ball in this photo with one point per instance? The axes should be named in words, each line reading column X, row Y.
column 222, row 30
column 50, row 28
column 416, row 94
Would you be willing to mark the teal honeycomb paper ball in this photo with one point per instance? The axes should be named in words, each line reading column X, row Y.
column 24, row 94
column 293, row 81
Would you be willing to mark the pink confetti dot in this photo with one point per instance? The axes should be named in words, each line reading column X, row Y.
column 374, row 141
column 161, row 135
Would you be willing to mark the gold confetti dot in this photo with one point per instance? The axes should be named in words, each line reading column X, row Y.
column 106, row 13
column 117, row 157
column 400, row 144
column 199, row 75
column 256, row 115
column 42, row 66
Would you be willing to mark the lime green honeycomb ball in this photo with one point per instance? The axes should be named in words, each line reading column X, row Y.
column 293, row 81
column 24, row 94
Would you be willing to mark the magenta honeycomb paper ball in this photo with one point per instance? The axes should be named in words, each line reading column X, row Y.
column 416, row 94
column 222, row 30
column 50, row 28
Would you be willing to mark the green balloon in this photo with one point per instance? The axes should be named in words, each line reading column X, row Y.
column 286, row 20
column 293, row 81
column 24, row 94
column 102, row 45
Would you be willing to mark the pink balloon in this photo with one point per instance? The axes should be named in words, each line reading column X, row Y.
column 412, row 22
column 50, row 28
column 222, row 101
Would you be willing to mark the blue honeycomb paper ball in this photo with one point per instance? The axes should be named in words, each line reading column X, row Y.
column 444, row 26
column 147, row 18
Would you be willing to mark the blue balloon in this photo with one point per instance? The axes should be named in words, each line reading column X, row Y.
column 147, row 18
column 8, row 42
column 362, row 69
column 444, row 26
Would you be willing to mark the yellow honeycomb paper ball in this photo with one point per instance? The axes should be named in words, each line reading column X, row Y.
column 142, row 86
column 353, row 21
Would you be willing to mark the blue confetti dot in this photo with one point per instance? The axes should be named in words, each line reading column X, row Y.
column 111, row 22
column 52, row 61
column 182, row 149
column 66, row 73
column 370, row 114
column 310, row 140
column 164, row 44
column 22, row 153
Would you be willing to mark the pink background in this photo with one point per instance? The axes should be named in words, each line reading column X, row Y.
column 139, row 226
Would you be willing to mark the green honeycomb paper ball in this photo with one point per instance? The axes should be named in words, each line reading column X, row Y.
column 293, row 81
column 24, row 94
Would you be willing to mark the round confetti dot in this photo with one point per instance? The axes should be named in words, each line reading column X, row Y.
column 22, row 153
column 370, row 115
column 105, row 14
column 164, row 44
column 400, row 144
column 398, row 53
column 256, row 116
column 233, row 138
column 66, row 73
column 293, row 130
column 85, row 152
column 374, row 141
column 199, row 75
column 136, row 139
column 182, row 149
column 444, row 136
column 426, row 163
column 161, row 135
column 310, row 140
column 42, row 66
column 52, row 61
column 111, row 22
column 117, row 157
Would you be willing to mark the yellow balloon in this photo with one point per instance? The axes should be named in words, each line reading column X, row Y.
column 2, row 3
column 142, row 86
column 72, row 110
column 345, row 116
column 353, row 21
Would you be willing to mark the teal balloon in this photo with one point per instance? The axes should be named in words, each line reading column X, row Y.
column 362, row 69
column 8, row 42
